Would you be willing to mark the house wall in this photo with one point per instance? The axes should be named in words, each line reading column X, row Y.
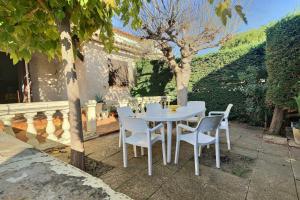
column 96, row 74
column 48, row 80
column 96, row 71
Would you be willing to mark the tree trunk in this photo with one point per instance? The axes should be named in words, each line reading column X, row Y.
column 183, row 75
column 77, row 148
column 277, row 120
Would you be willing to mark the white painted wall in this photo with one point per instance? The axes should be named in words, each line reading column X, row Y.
column 95, row 65
column 48, row 80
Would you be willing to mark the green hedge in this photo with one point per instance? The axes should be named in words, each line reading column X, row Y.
column 283, row 61
column 217, row 78
column 152, row 78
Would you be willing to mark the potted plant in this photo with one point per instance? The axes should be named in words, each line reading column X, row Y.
column 296, row 125
column 113, row 111
column 99, row 105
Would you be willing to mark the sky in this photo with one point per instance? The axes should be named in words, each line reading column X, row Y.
column 262, row 12
column 259, row 13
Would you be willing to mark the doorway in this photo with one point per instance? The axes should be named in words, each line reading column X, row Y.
column 12, row 80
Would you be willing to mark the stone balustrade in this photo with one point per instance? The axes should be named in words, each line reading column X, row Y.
column 52, row 134
column 164, row 100
column 45, row 112
column 27, row 113
column 139, row 103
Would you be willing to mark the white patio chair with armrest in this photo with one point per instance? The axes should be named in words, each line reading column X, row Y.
column 153, row 108
column 142, row 136
column 197, row 138
column 196, row 105
column 224, row 124
column 124, row 112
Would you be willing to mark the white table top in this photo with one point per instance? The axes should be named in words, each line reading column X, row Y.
column 166, row 115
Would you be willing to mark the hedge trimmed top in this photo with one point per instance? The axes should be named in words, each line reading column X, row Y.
column 283, row 61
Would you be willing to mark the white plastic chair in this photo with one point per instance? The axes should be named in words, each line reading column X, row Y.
column 196, row 105
column 123, row 112
column 197, row 138
column 142, row 136
column 224, row 124
column 153, row 108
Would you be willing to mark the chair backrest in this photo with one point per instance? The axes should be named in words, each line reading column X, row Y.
column 134, row 125
column 124, row 112
column 153, row 107
column 227, row 111
column 209, row 123
column 196, row 104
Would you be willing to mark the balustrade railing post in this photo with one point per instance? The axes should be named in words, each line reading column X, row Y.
column 91, row 123
column 66, row 124
column 7, row 124
column 30, row 126
column 50, row 125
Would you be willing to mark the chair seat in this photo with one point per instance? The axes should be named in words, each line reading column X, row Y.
column 141, row 139
column 203, row 139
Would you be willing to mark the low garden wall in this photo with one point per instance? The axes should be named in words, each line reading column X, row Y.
column 46, row 124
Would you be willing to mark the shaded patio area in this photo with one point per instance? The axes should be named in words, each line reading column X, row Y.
column 253, row 169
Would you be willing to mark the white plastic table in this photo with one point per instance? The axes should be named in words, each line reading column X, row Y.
column 169, row 117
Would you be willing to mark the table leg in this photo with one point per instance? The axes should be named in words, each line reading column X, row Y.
column 169, row 141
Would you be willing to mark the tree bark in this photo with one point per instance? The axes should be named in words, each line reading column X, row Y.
column 277, row 120
column 77, row 147
column 183, row 75
column 182, row 70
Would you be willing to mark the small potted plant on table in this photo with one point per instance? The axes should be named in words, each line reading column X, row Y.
column 296, row 125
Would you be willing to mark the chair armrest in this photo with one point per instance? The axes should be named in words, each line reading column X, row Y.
column 188, row 128
column 216, row 113
column 156, row 127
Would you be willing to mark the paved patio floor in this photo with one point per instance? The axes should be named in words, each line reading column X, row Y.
column 253, row 169
column 29, row 174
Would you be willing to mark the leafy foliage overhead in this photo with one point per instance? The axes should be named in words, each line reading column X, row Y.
column 283, row 61
column 224, row 11
column 30, row 26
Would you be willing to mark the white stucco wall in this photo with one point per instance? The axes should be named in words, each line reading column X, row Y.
column 96, row 71
column 48, row 82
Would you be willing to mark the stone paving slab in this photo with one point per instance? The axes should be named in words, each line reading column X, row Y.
column 143, row 186
column 295, row 153
column 270, row 174
column 272, row 180
column 26, row 173
column 245, row 152
column 298, row 187
column 275, row 149
column 209, row 185
column 296, row 169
